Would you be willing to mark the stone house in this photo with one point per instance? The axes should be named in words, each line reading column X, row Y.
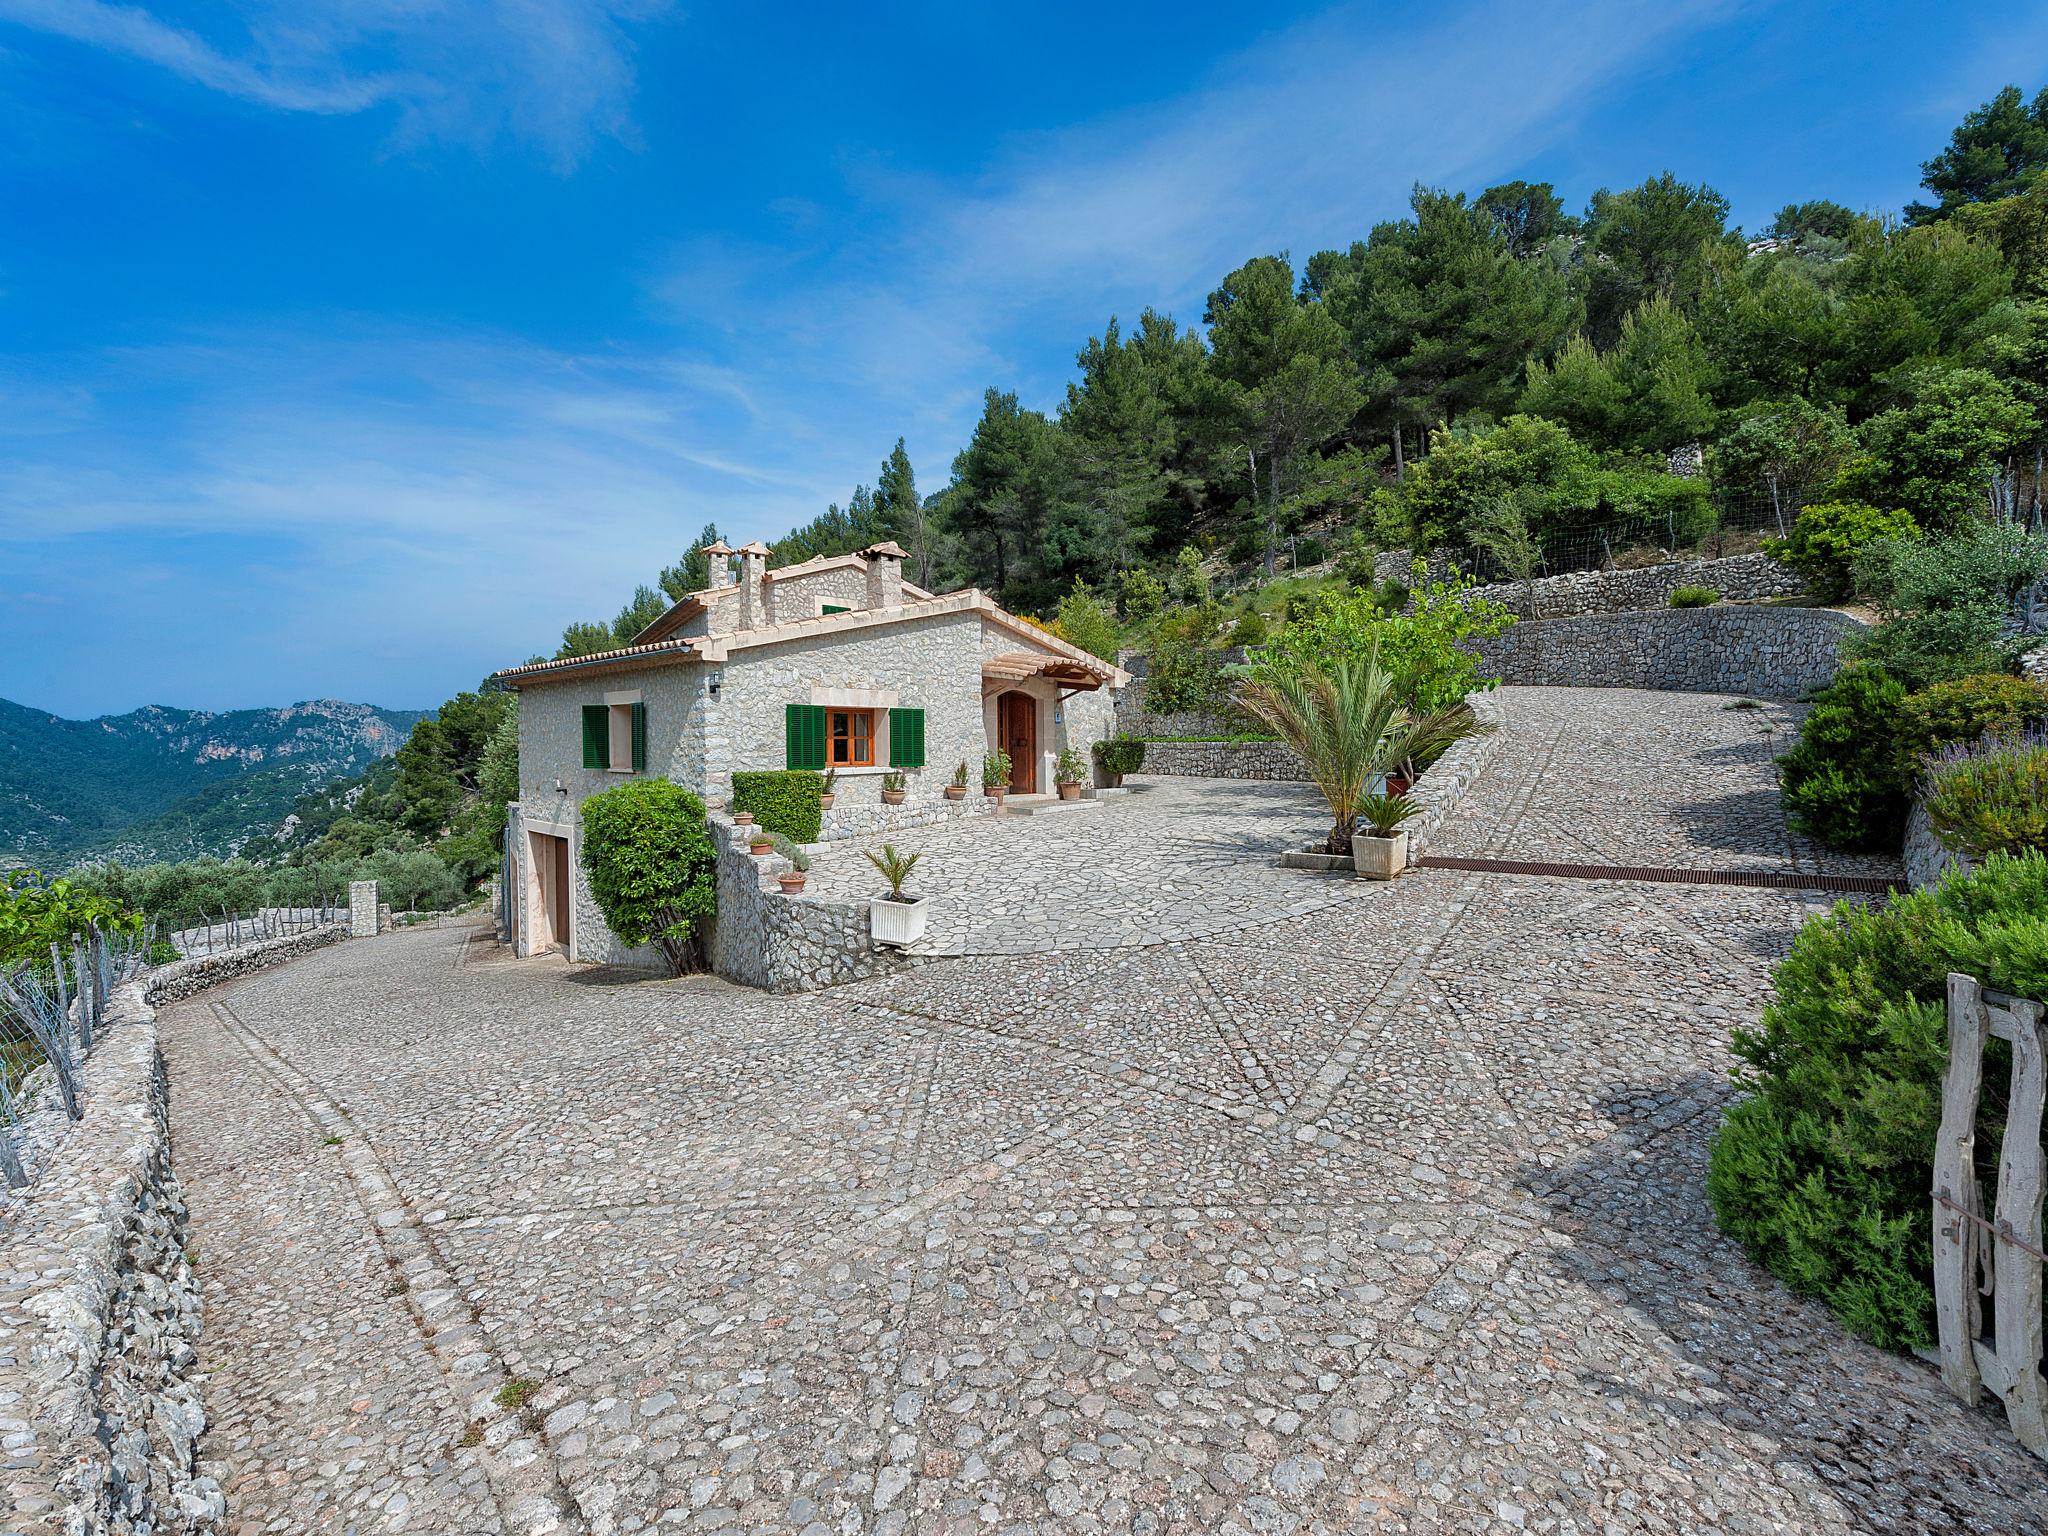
column 836, row 664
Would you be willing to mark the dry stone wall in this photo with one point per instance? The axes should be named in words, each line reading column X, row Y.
column 1738, row 578
column 763, row 938
column 1927, row 858
column 1223, row 760
column 100, row 1311
column 1781, row 653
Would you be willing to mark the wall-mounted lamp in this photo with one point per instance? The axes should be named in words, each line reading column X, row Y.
column 712, row 683
column 561, row 788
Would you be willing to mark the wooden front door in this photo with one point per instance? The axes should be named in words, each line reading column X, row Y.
column 1017, row 728
column 549, row 926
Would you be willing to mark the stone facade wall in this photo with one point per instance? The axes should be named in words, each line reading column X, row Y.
column 1223, row 760
column 786, row 943
column 798, row 597
column 1770, row 652
column 1738, row 578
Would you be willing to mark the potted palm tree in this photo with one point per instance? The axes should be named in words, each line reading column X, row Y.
column 995, row 774
column 894, row 787
column 1345, row 720
column 894, row 917
column 1384, row 853
column 957, row 790
column 1067, row 772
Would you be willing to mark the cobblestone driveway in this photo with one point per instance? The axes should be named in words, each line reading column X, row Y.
column 1385, row 1216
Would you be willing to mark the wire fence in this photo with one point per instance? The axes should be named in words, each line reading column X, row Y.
column 1723, row 524
column 236, row 930
column 51, row 1019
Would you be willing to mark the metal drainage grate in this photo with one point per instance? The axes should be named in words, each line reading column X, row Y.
column 1770, row 878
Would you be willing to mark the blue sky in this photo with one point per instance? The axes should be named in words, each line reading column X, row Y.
column 349, row 348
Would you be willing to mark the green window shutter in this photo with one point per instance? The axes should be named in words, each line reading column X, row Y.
column 639, row 738
column 825, row 608
column 804, row 736
column 906, row 738
column 597, row 736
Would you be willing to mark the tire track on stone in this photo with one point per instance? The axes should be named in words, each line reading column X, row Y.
column 518, row 1468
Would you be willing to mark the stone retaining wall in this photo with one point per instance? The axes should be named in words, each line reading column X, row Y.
column 1223, row 760
column 1781, row 653
column 99, row 1311
column 843, row 821
column 181, row 978
column 1927, row 858
column 1738, row 578
column 1440, row 792
column 763, row 938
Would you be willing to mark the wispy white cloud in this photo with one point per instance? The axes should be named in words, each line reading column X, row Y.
column 554, row 73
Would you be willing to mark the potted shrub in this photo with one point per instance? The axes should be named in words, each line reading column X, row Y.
column 894, row 788
column 1067, row 773
column 1118, row 755
column 957, row 790
column 894, row 917
column 995, row 774
column 761, row 843
column 829, row 791
column 1383, row 854
column 792, row 879
column 743, row 818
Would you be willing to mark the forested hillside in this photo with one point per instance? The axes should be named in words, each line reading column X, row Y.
column 171, row 783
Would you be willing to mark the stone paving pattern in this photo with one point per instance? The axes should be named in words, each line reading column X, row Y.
column 1381, row 1211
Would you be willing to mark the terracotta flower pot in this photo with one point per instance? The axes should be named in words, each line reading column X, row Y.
column 956, row 791
column 760, row 850
column 825, row 800
column 893, row 796
column 994, row 791
column 1070, row 791
column 792, row 883
column 743, row 818
column 1399, row 784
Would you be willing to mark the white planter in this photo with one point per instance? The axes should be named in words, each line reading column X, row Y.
column 900, row 923
column 1379, row 858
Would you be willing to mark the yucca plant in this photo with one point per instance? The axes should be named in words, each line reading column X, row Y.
column 1348, row 725
column 895, row 867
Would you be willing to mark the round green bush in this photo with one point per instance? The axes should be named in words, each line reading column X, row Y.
column 1824, row 540
column 1119, row 754
column 1694, row 597
column 1969, row 709
column 1845, row 781
column 652, row 867
column 1823, row 1172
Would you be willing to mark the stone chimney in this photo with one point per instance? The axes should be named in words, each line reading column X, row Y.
column 885, row 574
column 753, row 566
column 718, row 559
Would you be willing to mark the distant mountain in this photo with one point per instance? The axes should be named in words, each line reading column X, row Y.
column 173, row 783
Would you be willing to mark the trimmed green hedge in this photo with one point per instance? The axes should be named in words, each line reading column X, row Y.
column 783, row 800
column 1823, row 1172
column 1119, row 754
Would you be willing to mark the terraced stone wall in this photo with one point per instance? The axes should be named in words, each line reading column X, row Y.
column 1778, row 653
column 1738, row 578
column 1223, row 760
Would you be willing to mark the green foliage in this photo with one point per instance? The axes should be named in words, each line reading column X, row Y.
column 1385, row 813
column 895, row 867
column 1992, row 797
column 1823, row 1172
column 1935, row 454
column 1119, row 754
column 1968, row 709
column 1944, row 602
column 1999, row 149
column 1844, row 781
column 995, row 769
column 1694, row 597
column 1086, row 621
column 1825, row 538
column 1250, row 629
column 1650, row 392
column 784, row 800
column 1070, row 767
column 1188, row 584
column 36, row 912
column 693, row 572
column 1786, row 451
column 1140, row 596
column 1185, row 677
column 411, row 880
column 1418, row 648
column 1656, row 240
column 647, row 851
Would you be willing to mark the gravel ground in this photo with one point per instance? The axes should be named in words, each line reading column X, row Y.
column 1385, row 1215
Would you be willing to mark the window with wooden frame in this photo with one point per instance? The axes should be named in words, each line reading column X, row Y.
column 850, row 738
column 615, row 737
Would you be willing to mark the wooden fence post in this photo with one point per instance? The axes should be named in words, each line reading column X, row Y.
column 2009, row 1246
